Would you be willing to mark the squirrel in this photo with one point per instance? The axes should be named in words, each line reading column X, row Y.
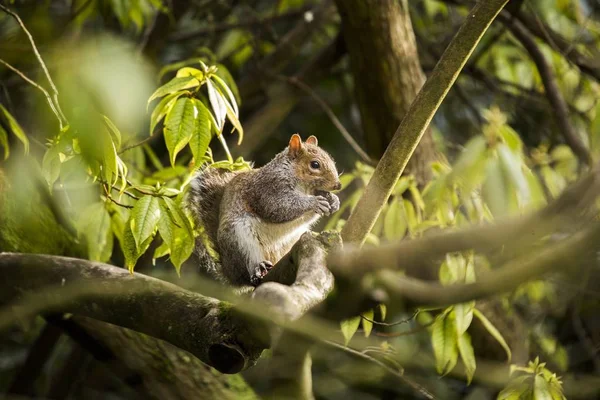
column 254, row 217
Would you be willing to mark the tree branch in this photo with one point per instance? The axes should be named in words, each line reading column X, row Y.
column 417, row 120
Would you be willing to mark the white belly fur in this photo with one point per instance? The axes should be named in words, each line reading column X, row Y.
column 278, row 239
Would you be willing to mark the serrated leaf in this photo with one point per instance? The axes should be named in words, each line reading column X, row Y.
column 349, row 328
column 161, row 250
column 131, row 250
column 180, row 125
column 201, row 138
column 144, row 219
column 163, row 108
column 4, row 142
column 443, row 340
column 394, row 223
column 467, row 355
column 463, row 313
column 15, row 128
column 493, row 331
column 367, row 325
column 174, row 85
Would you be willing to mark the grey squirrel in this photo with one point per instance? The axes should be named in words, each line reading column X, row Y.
column 254, row 217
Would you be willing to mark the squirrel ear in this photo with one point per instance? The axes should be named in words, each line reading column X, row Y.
column 295, row 144
column 312, row 140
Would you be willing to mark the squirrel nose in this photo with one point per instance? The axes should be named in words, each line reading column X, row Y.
column 337, row 186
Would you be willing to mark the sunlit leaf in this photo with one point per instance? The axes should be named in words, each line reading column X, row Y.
column 174, row 85
column 382, row 311
column 463, row 313
column 4, row 142
column 15, row 128
column 144, row 219
column 394, row 223
column 163, row 108
column 113, row 131
column 180, row 126
column 217, row 104
column 443, row 340
column 512, row 167
column 201, row 138
column 349, row 328
column 467, row 355
column 493, row 331
column 367, row 325
column 495, row 192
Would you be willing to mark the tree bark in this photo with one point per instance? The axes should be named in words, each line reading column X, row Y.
column 387, row 73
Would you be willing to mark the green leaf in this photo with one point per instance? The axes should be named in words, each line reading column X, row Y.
column 144, row 219
column 493, row 331
column 511, row 138
column 349, row 328
column 443, row 340
column 4, row 142
column 182, row 247
column 94, row 225
column 470, row 164
column 513, row 169
column 173, row 86
column 222, row 87
column 464, row 315
column 495, row 192
column 224, row 74
column 467, row 355
column 180, row 126
column 394, row 223
column 113, row 131
column 367, row 325
column 15, row 128
column 541, row 389
column 382, row 311
column 201, row 138
column 163, row 108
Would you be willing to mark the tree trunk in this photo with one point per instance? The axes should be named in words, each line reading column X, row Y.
column 387, row 72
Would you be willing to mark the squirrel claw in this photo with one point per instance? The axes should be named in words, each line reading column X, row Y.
column 259, row 272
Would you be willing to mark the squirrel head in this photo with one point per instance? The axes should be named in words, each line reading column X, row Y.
column 314, row 167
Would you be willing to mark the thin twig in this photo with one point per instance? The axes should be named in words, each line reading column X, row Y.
column 36, row 85
column 404, row 321
column 140, row 143
column 307, row 89
column 418, row 388
column 412, row 331
column 62, row 118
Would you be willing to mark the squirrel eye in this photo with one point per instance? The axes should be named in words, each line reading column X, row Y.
column 315, row 165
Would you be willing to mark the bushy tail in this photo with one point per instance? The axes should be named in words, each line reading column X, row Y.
column 204, row 198
column 203, row 201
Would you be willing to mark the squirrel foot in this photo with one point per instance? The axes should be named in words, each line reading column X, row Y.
column 259, row 272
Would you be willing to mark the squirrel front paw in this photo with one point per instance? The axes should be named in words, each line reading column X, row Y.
column 260, row 271
column 321, row 205
column 334, row 202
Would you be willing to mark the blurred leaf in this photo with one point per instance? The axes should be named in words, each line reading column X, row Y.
column 144, row 219
column 443, row 339
column 113, row 131
column 174, row 85
column 180, row 126
column 349, row 328
column 4, row 142
column 367, row 325
column 15, row 128
column 411, row 217
column 495, row 192
column 493, row 331
column 382, row 311
column 470, row 164
column 512, row 167
column 94, row 225
column 394, row 224
column 511, row 138
column 553, row 180
column 467, row 355
column 464, row 315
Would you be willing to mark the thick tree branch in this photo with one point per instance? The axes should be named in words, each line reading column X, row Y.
column 555, row 98
column 211, row 330
column 417, row 120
